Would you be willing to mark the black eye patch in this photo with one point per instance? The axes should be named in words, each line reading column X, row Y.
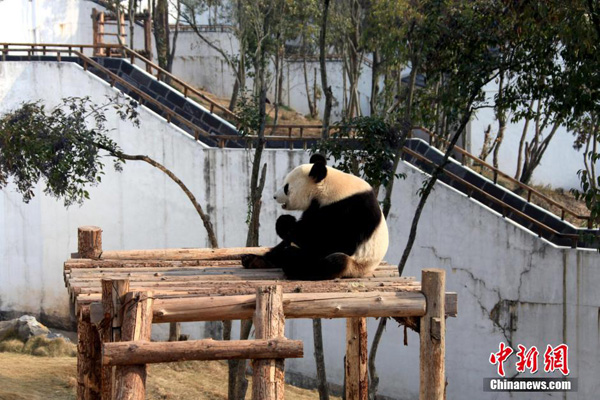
column 286, row 188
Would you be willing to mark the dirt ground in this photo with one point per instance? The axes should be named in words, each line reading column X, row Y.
column 32, row 378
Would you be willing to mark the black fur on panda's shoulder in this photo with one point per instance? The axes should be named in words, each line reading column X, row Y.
column 338, row 227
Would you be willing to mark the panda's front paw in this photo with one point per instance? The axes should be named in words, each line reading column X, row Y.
column 284, row 226
column 252, row 261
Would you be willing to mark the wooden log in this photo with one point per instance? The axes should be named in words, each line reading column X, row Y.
column 184, row 254
column 296, row 305
column 432, row 336
column 89, row 372
column 139, row 265
column 143, row 352
column 357, row 378
column 268, row 376
column 113, row 294
column 89, row 241
column 130, row 380
column 89, row 295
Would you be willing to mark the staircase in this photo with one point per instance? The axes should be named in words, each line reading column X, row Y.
column 213, row 130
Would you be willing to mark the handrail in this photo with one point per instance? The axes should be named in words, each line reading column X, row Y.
column 522, row 185
column 170, row 113
column 573, row 237
column 186, row 87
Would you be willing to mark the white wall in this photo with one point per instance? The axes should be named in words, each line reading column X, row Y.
column 549, row 294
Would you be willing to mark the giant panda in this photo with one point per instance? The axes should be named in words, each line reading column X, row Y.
column 342, row 232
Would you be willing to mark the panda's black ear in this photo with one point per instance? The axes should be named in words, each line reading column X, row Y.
column 318, row 158
column 319, row 170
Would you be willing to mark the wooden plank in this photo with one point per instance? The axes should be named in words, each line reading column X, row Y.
column 268, row 376
column 184, row 254
column 130, row 380
column 230, row 288
column 357, row 378
column 432, row 336
column 143, row 352
column 140, row 265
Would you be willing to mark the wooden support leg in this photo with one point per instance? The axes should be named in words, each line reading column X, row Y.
column 88, row 359
column 113, row 296
column 268, row 375
column 130, row 380
column 357, row 378
column 433, row 335
column 89, row 241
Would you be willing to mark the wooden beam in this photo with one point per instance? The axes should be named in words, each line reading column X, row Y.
column 130, row 380
column 268, row 376
column 184, row 254
column 432, row 336
column 357, row 377
column 296, row 305
column 143, row 352
column 89, row 241
column 89, row 372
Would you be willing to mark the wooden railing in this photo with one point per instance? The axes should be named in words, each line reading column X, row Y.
column 496, row 173
column 295, row 133
column 505, row 207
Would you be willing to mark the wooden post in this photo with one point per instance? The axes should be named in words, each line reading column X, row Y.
column 100, row 20
column 113, row 296
column 89, row 241
column 433, row 335
column 268, row 375
column 130, row 380
column 357, row 378
column 88, row 359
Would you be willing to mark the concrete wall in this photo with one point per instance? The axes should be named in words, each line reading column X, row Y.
column 512, row 286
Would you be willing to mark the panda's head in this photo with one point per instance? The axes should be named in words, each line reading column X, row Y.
column 316, row 181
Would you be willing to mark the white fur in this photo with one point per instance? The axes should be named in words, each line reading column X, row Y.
column 336, row 186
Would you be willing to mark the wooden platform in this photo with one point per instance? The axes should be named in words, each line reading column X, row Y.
column 118, row 295
column 186, row 274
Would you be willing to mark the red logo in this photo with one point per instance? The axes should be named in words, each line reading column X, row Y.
column 557, row 359
column 527, row 359
column 500, row 357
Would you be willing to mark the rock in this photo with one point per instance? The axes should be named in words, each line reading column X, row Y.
column 53, row 335
column 22, row 328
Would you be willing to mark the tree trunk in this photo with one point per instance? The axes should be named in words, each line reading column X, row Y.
column 311, row 105
column 375, row 82
column 501, row 116
column 405, row 130
column 174, row 44
column 534, row 152
column 131, row 8
column 430, row 183
column 161, row 32
column 522, row 142
column 373, row 377
column 322, row 60
column 320, row 360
